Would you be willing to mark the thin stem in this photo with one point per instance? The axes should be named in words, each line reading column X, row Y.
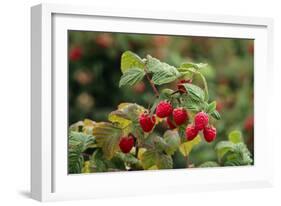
column 187, row 161
column 151, row 83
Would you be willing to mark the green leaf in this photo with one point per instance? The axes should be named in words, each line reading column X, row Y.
column 193, row 65
column 240, row 155
column 191, row 104
column 209, row 164
column 130, row 60
column 211, row 107
column 75, row 161
column 172, row 140
column 195, row 92
column 131, row 77
column 80, row 141
column 186, row 147
column 151, row 158
column 163, row 73
column 222, row 148
column 235, row 136
column 215, row 114
column 107, row 136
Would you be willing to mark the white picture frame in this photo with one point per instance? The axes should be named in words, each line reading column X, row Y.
column 49, row 178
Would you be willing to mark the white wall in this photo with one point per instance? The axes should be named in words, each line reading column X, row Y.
column 15, row 95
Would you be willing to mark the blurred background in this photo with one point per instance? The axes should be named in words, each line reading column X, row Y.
column 94, row 73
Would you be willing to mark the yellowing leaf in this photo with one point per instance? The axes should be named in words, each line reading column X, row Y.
column 140, row 153
column 186, row 147
column 107, row 136
column 88, row 126
column 154, row 167
column 130, row 60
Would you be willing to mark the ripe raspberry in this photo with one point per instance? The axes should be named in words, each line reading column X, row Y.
column 164, row 109
column 180, row 116
column 191, row 132
column 170, row 123
column 126, row 143
column 210, row 133
column 146, row 122
column 201, row 120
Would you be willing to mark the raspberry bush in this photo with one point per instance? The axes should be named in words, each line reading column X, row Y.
column 130, row 139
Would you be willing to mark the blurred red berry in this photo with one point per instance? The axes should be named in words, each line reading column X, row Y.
column 126, row 143
column 210, row 133
column 170, row 123
column 75, row 53
column 160, row 41
column 164, row 109
column 219, row 106
column 251, row 49
column 180, row 116
column 191, row 132
column 201, row 120
column 146, row 122
column 104, row 40
column 249, row 123
column 139, row 87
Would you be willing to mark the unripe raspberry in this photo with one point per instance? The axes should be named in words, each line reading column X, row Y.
column 170, row 123
column 210, row 133
column 126, row 143
column 201, row 120
column 146, row 122
column 164, row 109
column 180, row 116
column 191, row 132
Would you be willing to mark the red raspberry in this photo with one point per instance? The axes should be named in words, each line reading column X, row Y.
column 164, row 109
column 146, row 122
column 180, row 116
column 210, row 133
column 201, row 120
column 126, row 143
column 191, row 132
column 170, row 123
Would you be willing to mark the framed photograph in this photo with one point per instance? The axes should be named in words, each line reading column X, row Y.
column 137, row 102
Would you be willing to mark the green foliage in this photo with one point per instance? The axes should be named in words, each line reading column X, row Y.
column 131, row 77
column 130, row 60
column 195, row 92
column 107, row 136
column 163, row 73
column 235, row 136
column 152, row 158
column 94, row 146
column 209, row 164
column 233, row 152
column 77, row 143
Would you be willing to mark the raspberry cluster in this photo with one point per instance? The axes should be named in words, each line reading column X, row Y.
column 201, row 122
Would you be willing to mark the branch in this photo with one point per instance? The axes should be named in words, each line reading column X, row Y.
column 151, row 83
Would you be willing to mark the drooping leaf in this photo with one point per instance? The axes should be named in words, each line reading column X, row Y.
column 193, row 65
column 130, row 60
column 172, row 140
column 215, row 114
column 186, row 147
column 107, row 136
column 152, row 158
column 191, row 104
column 211, row 107
column 163, row 73
column 235, row 136
column 131, row 77
column 222, row 148
column 195, row 92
